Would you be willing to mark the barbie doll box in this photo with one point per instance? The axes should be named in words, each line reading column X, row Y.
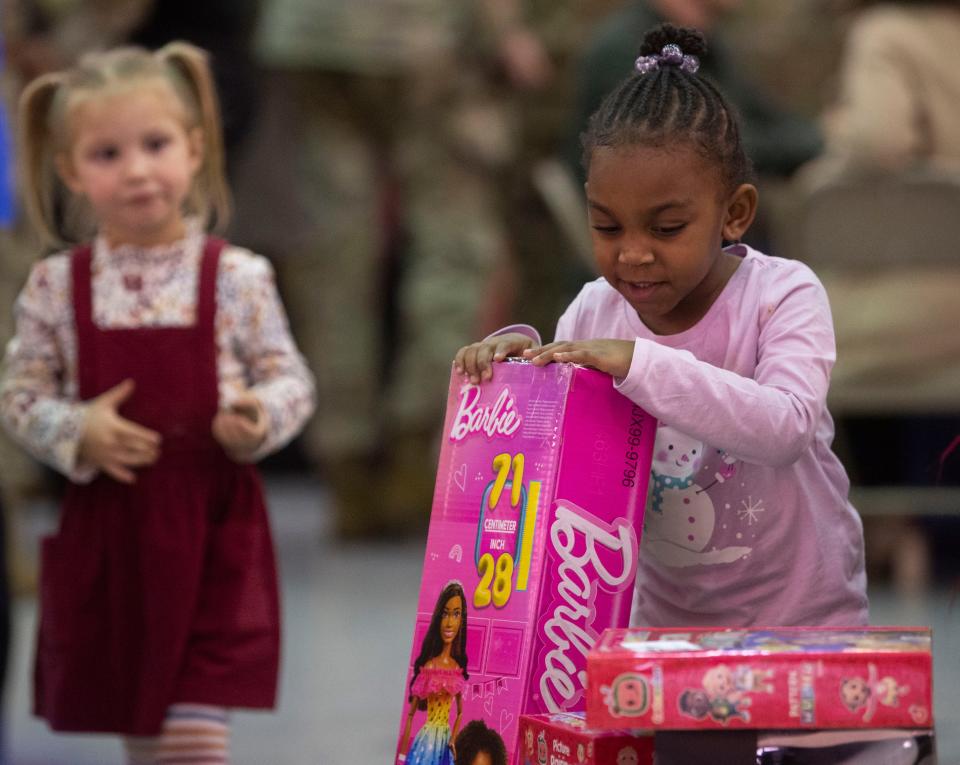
column 782, row 678
column 531, row 551
column 565, row 739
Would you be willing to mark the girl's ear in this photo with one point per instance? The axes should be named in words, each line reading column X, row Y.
column 66, row 172
column 197, row 146
column 741, row 210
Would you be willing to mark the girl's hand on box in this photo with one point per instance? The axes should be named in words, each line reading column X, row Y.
column 112, row 443
column 611, row 356
column 476, row 360
column 241, row 429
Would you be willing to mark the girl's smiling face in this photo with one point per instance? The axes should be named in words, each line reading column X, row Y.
column 658, row 218
column 133, row 158
column 451, row 619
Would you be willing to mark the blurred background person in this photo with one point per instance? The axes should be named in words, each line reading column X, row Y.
column 47, row 35
column 777, row 140
column 397, row 121
column 892, row 154
column 51, row 35
column 898, row 105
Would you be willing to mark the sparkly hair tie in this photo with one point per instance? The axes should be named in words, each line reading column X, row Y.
column 669, row 55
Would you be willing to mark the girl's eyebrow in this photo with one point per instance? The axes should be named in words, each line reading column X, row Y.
column 671, row 204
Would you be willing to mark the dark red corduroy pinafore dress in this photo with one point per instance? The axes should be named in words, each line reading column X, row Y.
column 165, row 590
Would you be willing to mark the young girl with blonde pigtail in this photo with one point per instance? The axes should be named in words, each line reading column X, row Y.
column 152, row 365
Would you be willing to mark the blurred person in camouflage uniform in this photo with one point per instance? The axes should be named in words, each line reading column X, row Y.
column 776, row 140
column 398, row 128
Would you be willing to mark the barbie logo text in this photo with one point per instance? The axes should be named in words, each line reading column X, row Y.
column 590, row 551
column 499, row 419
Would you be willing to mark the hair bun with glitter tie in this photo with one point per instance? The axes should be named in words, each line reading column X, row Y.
column 669, row 45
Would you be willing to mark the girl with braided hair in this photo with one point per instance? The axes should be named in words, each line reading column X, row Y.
column 729, row 348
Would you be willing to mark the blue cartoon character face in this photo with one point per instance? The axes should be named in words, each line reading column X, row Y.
column 629, row 696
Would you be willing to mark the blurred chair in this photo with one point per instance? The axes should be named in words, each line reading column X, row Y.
column 887, row 249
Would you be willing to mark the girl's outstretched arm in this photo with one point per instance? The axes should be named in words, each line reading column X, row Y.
column 610, row 356
column 766, row 405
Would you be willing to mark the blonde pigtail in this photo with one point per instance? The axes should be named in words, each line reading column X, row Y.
column 39, row 177
column 212, row 195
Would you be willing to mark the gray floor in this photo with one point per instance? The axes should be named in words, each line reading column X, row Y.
column 348, row 625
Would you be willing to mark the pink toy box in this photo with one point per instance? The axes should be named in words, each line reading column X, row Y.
column 565, row 739
column 870, row 677
column 531, row 552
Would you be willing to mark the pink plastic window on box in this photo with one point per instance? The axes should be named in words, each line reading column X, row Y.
column 867, row 677
column 531, row 552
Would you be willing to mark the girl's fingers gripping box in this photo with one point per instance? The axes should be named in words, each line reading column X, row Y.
column 531, row 552
column 565, row 739
column 778, row 678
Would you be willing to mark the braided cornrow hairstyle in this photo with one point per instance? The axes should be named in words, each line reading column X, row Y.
column 671, row 105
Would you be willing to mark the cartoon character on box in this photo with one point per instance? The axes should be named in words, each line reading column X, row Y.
column 725, row 693
column 542, row 751
column 737, row 682
column 866, row 693
column 697, row 704
column 439, row 677
column 479, row 745
column 629, row 696
column 628, row 756
column 529, row 751
column 682, row 517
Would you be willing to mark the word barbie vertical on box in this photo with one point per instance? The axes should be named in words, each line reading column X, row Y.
column 531, row 554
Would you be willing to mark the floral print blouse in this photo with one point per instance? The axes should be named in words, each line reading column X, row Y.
column 148, row 287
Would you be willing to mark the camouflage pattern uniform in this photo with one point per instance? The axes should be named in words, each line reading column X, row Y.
column 391, row 104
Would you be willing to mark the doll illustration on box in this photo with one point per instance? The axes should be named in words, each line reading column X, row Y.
column 696, row 703
column 628, row 756
column 479, row 745
column 726, row 692
column 866, row 693
column 439, row 677
column 529, row 751
column 542, row 751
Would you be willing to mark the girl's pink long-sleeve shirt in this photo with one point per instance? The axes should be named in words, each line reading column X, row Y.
column 748, row 520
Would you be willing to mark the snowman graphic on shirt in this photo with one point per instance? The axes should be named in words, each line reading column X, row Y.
column 681, row 518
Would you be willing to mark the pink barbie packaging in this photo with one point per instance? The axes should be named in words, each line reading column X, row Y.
column 531, row 552
column 565, row 739
column 780, row 678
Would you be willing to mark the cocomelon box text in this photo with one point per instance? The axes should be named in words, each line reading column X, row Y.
column 531, row 554
column 778, row 678
column 565, row 739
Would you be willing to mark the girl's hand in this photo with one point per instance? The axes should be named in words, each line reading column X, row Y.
column 611, row 356
column 476, row 360
column 241, row 429
column 112, row 443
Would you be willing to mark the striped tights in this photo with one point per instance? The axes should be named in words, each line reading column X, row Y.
column 193, row 734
